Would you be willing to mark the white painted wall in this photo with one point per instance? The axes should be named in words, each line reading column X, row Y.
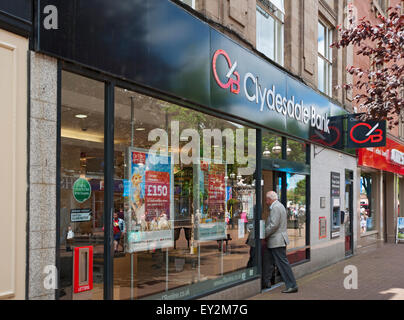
column 327, row 251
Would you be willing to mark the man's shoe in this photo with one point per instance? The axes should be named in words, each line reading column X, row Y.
column 290, row 290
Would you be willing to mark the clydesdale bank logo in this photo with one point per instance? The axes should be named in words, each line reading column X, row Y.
column 266, row 98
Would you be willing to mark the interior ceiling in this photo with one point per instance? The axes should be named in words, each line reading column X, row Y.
column 81, row 95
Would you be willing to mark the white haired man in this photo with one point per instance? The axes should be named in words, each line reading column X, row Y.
column 277, row 240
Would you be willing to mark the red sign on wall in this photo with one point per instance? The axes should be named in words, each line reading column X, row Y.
column 389, row 158
column 322, row 227
column 83, row 269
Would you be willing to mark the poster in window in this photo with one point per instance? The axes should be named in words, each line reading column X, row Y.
column 400, row 229
column 212, row 221
column 149, row 212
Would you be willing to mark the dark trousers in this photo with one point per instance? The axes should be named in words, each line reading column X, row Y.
column 251, row 261
column 277, row 256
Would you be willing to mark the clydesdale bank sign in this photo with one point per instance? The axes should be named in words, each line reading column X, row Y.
column 267, row 98
column 202, row 66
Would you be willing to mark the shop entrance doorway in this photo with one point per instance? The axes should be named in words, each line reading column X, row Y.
column 271, row 183
column 292, row 193
column 348, row 213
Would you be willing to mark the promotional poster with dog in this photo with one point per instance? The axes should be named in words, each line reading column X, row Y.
column 150, row 225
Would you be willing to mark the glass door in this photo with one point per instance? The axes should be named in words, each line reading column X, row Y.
column 348, row 213
column 81, row 251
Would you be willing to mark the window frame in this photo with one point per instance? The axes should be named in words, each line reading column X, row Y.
column 269, row 10
column 110, row 83
column 192, row 3
column 381, row 6
column 327, row 58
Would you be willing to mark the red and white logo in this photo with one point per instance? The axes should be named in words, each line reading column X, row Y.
column 234, row 84
column 374, row 134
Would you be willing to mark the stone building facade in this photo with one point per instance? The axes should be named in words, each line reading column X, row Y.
column 387, row 183
column 296, row 51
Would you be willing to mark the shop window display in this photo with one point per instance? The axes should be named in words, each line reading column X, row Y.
column 187, row 209
column 367, row 221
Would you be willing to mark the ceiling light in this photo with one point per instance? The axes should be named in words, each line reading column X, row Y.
column 277, row 148
column 140, row 129
column 266, row 153
column 81, row 116
column 288, row 150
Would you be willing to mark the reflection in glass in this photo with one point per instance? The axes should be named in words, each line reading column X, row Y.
column 210, row 211
column 265, row 34
column 321, row 75
column 271, row 145
column 321, row 39
column 324, row 59
column 296, row 151
column 296, row 210
column 367, row 222
column 82, row 161
column 270, row 31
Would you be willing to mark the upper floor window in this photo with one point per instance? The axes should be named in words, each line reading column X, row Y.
column 381, row 6
column 324, row 59
column 401, row 121
column 191, row 3
column 270, row 29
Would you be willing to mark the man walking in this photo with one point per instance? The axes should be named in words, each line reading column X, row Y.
column 277, row 240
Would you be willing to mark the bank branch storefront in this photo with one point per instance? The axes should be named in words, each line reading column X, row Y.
column 169, row 136
column 382, row 191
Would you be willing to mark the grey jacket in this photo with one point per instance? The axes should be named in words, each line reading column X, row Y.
column 276, row 227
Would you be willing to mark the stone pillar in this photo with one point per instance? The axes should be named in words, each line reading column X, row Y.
column 42, row 173
column 401, row 197
column 380, row 206
column 391, row 207
column 293, row 36
column 310, row 45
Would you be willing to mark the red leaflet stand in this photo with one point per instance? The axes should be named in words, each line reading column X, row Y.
column 83, row 269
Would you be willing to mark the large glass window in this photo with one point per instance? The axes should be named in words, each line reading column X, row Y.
column 296, row 151
column 367, row 216
column 324, row 59
column 270, row 29
column 296, row 210
column 82, row 183
column 271, row 146
column 186, row 197
column 289, row 180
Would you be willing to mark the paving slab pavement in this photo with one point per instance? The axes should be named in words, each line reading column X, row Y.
column 380, row 277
